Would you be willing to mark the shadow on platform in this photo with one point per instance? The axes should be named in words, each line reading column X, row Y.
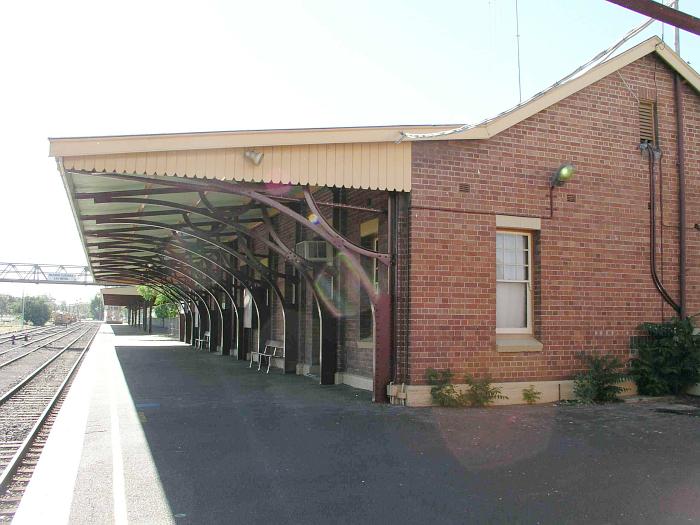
column 232, row 445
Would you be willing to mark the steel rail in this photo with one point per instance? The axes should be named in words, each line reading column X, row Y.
column 42, row 338
column 60, row 336
column 22, row 332
column 60, row 331
column 7, row 395
column 16, row 460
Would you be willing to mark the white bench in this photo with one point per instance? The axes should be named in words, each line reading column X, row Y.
column 203, row 342
column 271, row 350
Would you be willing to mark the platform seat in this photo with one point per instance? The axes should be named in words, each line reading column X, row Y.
column 204, row 342
column 272, row 350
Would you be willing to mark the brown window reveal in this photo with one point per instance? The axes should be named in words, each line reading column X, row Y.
column 647, row 131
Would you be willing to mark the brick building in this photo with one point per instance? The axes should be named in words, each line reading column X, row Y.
column 372, row 254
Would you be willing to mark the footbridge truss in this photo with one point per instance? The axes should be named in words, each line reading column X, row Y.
column 45, row 273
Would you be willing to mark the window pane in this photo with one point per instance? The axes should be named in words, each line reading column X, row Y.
column 520, row 273
column 519, row 242
column 510, row 273
column 511, row 305
column 499, row 271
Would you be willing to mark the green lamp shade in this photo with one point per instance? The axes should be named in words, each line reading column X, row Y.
column 563, row 174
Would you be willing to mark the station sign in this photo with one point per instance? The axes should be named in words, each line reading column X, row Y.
column 54, row 276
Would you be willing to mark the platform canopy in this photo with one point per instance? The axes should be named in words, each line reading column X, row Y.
column 134, row 195
column 121, row 296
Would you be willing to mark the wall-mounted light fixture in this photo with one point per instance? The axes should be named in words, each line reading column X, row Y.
column 254, row 156
column 560, row 177
column 563, row 175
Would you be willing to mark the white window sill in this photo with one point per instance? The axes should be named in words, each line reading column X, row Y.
column 517, row 343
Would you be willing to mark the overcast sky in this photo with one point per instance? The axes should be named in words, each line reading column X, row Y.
column 76, row 68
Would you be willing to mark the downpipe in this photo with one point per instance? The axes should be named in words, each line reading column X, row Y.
column 680, row 163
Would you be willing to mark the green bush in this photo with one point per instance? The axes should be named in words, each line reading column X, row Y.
column 37, row 310
column 531, row 395
column 481, row 392
column 442, row 390
column 668, row 360
column 600, row 383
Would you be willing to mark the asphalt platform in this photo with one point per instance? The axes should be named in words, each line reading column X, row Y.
column 154, row 432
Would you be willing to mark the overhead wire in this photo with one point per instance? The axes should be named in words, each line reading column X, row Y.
column 600, row 57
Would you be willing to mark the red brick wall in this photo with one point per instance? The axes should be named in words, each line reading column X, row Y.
column 353, row 356
column 592, row 278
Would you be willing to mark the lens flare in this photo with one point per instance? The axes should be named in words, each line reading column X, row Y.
column 313, row 218
column 340, row 290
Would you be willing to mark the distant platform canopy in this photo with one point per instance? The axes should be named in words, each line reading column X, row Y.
column 121, row 296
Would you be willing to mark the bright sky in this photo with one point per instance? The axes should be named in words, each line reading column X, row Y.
column 75, row 68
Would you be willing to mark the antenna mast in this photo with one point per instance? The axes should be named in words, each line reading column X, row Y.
column 517, row 40
column 678, row 36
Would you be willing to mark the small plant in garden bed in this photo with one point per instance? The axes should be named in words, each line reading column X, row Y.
column 442, row 390
column 600, row 383
column 531, row 395
column 480, row 392
column 668, row 361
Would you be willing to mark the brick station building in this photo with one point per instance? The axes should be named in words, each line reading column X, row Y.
column 372, row 254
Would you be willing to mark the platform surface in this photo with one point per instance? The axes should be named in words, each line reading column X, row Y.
column 153, row 432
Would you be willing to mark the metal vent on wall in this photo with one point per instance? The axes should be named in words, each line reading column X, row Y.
column 570, row 197
column 465, row 188
column 646, row 122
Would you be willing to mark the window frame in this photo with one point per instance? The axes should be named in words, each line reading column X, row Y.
column 529, row 299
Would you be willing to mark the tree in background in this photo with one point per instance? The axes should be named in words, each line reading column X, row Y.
column 148, row 293
column 10, row 305
column 164, row 308
column 37, row 310
column 97, row 307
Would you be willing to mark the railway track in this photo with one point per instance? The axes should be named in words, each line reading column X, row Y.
column 20, row 334
column 27, row 412
column 18, row 352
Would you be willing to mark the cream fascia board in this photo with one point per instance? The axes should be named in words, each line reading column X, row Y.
column 681, row 66
column 82, row 146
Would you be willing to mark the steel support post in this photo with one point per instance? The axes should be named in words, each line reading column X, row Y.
column 382, row 347
column 227, row 327
column 149, row 314
column 243, row 340
column 265, row 323
column 204, row 317
column 214, row 327
column 329, row 344
column 181, row 327
column 291, row 325
column 196, row 322
column 189, row 324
